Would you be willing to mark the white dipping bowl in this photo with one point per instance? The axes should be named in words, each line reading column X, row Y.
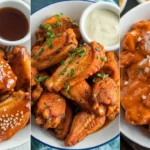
column 99, row 5
column 25, row 9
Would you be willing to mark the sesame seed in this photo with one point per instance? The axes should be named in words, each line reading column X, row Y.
column 126, row 83
column 144, row 97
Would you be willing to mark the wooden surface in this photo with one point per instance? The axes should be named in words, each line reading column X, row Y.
column 127, row 144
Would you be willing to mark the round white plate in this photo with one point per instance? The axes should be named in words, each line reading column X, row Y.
column 135, row 133
column 22, row 136
column 123, row 5
column 74, row 10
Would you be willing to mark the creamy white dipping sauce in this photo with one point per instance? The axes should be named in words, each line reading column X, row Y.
column 103, row 27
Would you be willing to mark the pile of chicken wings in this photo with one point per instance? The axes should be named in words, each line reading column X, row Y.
column 75, row 87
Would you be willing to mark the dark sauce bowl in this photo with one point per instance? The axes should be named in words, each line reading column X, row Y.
column 21, row 26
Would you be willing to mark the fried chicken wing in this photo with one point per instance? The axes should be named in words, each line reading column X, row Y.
column 19, row 61
column 58, row 26
column 63, row 127
column 14, row 114
column 105, row 92
column 83, row 125
column 36, row 93
column 7, row 77
column 46, row 56
column 34, row 74
column 81, row 94
column 79, row 66
column 50, row 110
column 111, row 67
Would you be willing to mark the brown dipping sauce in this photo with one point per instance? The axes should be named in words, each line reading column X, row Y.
column 13, row 24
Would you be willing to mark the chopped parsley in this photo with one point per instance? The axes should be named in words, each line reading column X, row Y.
column 72, row 72
column 40, row 79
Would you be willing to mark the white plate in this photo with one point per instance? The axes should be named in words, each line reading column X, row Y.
column 123, row 5
column 74, row 10
column 135, row 133
column 22, row 136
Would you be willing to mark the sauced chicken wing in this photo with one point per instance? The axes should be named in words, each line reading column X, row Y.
column 79, row 66
column 50, row 110
column 63, row 127
column 36, row 93
column 46, row 56
column 104, row 93
column 58, row 25
column 83, row 125
column 81, row 94
column 19, row 61
column 138, row 38
column 14, row 114
column 7, row 77
column 111, row 67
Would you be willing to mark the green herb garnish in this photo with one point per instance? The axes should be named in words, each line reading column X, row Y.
column 102, row 75
column 62, row 62
column 82, row 53
column 95, row 95
column 97, row 48
column 67, row 87
column 72, row 72
column 104, row 59
column 46, row 106
column 40, row 79
column 75, row 23
column 63, row 71
column 59, row 15
column 140, row 69
column 95, row 79
column 41, row 51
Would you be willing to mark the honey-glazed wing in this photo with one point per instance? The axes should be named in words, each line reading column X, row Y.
column 81, row 94
column 50, row 110
column 58, row 26
column 19, row 61
column 63, row 127
column 85, row 62
column 14, row 114
column 83, row 125
column 105, row 92
column 7, row 77
column 45, row 56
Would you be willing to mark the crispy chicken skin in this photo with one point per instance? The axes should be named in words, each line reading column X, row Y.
column 85, row 62
column 111, row 67
column 58, row 25
column 50, row 110
column 19, row 61
column 63, row 127
column 81, row 94
column 83, row 125
column 36, row 93
column 7, row 77
column 14, row 114
column 105, row 92
column 46, row 56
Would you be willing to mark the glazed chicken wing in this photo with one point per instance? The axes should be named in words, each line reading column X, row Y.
column 7, row 77
column 81, row 94
column 19, row 61
column 105, row 92
column 46, row 56
column 79, row 66
column 58, row 25
column 50, row 110
column 83, row 125
column 63, row 127
column 14, row 114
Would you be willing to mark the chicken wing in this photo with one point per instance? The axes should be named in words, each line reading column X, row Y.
column 19, row 61
column 7, row 77
column 79, row 66
column 14, row 114
column 63, row 127
column 34, row 74
column 58, row 25
column 105, row 92
column 46, row 56
column 50, row 110
column 81, row 94
column 83, row 125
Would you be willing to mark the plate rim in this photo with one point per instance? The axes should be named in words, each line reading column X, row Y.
column 115, row 137
column 122, row 18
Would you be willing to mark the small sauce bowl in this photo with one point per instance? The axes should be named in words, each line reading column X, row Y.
column 99, row 5
column 25, row 9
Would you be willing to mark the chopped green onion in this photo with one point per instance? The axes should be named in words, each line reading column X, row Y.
column 40, row 79
column 97, row 48
column 102, row 75
column 82, row 53
column 62, row 62
column 104, row 59
column 59, row 15
column 72, row 72
column 75, row 23
column 95, row 95
column 95, row 79
column 67, row 88
column 63, row 71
